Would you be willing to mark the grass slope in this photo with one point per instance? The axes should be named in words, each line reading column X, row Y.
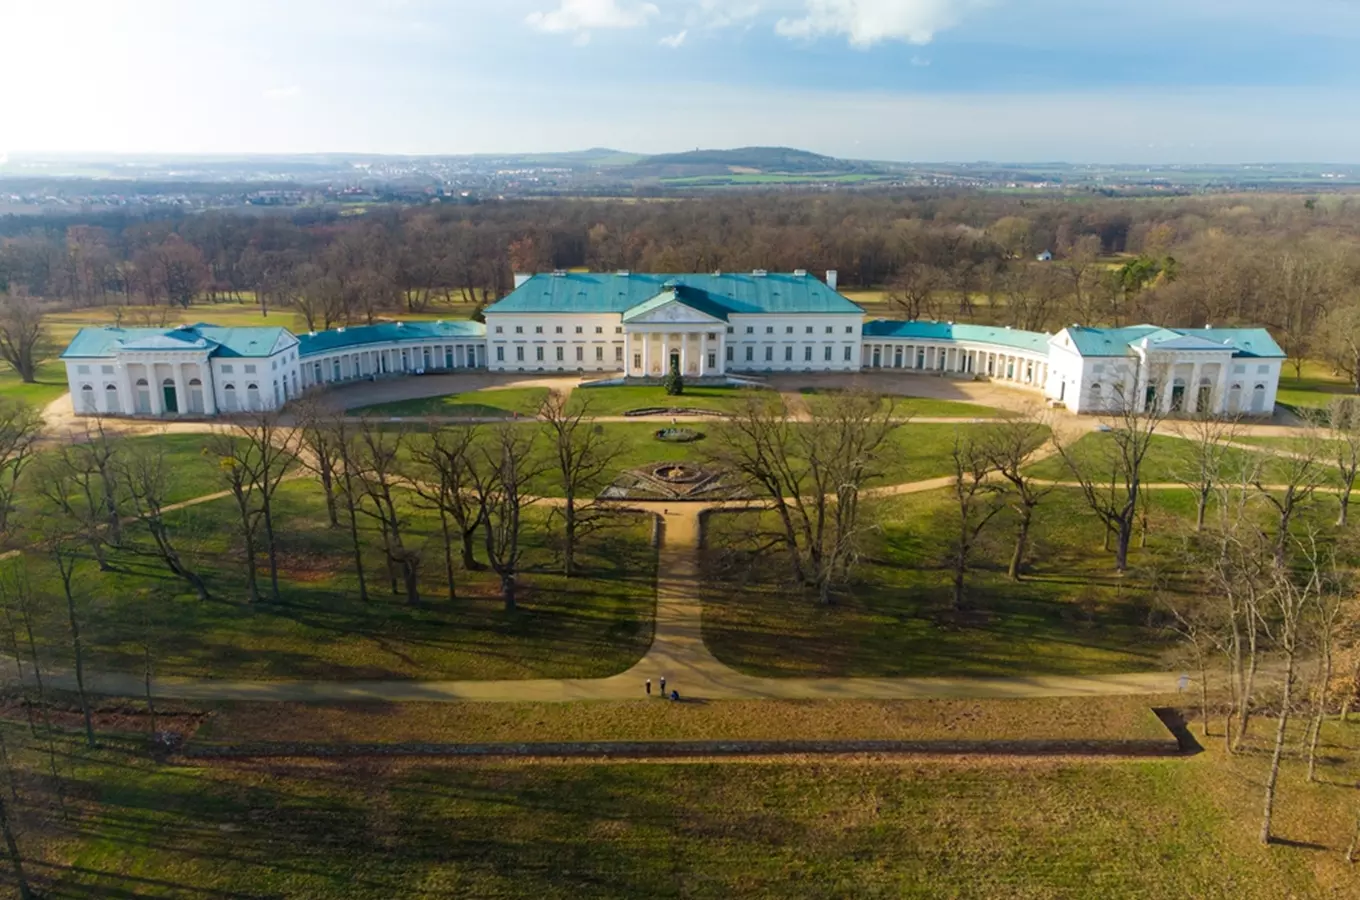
column 486, row 403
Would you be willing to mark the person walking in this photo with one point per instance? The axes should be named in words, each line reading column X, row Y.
column 649, row 687
column 663, row 685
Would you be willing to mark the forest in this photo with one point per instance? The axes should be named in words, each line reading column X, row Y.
column 1288, row 262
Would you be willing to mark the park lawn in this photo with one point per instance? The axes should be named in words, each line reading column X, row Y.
column 615, row 400
column 1071, row 615
column 50, row 384
column 481, row 404
column 1315, row 389
column 593, row 625
column 914, row 407
column 976, row 828
column 1050, row 719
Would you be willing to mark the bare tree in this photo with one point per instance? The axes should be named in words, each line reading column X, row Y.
column 16, row 859
column 1209, row 438
column 582, row 458
column 977, row 499
column 269, row 452
column 1011, row 447
column 319, row 450
column 24, row 341
column 63, row 554
column 20, row 426
column 1132, row 425
column 144, row 476
column 238, row 466
column 378, row 465
column 1294, row 475
column 812, row 474
column 449, row 457
column 510, row 463
column 1343, row 428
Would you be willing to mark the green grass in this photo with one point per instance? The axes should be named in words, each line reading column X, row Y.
column 1071, row 615
column 590, row 626
column 978, row 829
column 617, row 400
column 916, row 407
column 486, row 403
column 1315, row 389
column 51, row 384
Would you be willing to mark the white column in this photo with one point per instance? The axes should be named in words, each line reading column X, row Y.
column 703, row 352
column 646, row 354
column 722, row 353
column 126, row 401
column 1192, row 389
column 157, row 394
column 209, row 388
column 181, row 388
column 684, row 354
column 627, row 354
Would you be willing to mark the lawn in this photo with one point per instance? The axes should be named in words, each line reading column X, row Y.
column 615, row 400
column 1071, row 614
column 51, row 384
column 979, row 829
column 593, row 625
column 1315, row 389
column 481, row 404
column 917, row 407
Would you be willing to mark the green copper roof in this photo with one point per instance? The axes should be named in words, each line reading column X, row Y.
column 1251, row 342
column 384, row 332
column 617, row 293
column 218, row 341
column 945, row 331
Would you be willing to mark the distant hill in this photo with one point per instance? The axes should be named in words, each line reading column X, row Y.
column 741, row 162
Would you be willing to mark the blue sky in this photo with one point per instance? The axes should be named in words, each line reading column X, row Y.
column 1021, row 80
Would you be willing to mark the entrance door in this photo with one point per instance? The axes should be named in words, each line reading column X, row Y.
column 878, row 358
column 675, row 361
column 168, row 392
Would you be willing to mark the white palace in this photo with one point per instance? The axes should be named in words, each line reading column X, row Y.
column 639, row 326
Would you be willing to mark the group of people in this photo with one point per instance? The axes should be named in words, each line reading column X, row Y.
column 675, row 695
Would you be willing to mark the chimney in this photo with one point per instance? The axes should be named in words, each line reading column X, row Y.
column 831, row 278
column 520, row 279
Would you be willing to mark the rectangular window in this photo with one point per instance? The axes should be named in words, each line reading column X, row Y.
column 618, row 354
column 729, row 353
column 827, row 355
column 580, row 354
column 519, row 329
column 830, row 330
column 750, row 329
column 250, row 370
column 807, row 353
column 848, row 351
column 519, row 354
column 599, row 354
column 538, row 354
column 769, row 329
column 637, row 360
column 538, row 329
column 849, row 329
column 500, row 354
column 1263, row 370
column 769, row 354
column 82, row 370
column 599, row 329
column 788, row 353
column 578, row 329
column 809, row 329
column 558, row 329
column 618, row 329
column 500, row 329
column 731, row 330
column 788, row 329
column 713, row 360
column 226, row 370
column 560, row 354
column 750, row 354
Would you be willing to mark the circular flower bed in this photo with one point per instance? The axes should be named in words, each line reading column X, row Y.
column 678, row 435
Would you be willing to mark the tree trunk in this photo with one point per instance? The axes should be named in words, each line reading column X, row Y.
column 410, row 576
column 508, row 590
column 1201, row 508
column 1272, row 779
column 469, row 557
column 1121, row 550
column 15, row 858
column 569, row 536
column 271, row 544
column 354, row 540
column 1345, row 503
column 960, row 565
column 328, row 485
column 1325, row 678
column 1249, row 687
column 1355, row 842
column 1021, row 544
column 252, row 578
column 448, row 552
column 79, row 654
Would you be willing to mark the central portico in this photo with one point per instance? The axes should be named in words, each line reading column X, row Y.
column 674, row 330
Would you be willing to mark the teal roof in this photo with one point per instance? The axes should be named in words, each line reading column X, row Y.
column 618, row 293
column 359, row 335
column 687, row 296
column 1249, row 342
column 218, row 341
column 945, row 331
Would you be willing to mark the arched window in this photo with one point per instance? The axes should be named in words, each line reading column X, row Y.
column 1096, row 390
column 252, row 396
column 1258, row 400
column 1235, row 398
column 229, row 397
column 87, row 404
column 111, row 404
column 1178, row 395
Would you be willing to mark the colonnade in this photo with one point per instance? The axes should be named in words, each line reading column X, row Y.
column 999, row 365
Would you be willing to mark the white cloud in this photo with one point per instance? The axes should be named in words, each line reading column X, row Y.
column 674, row 40
column 866, row 22
column 583, row 15
column 290, row 92
column 725, row 13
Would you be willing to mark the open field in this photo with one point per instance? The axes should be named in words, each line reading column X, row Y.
column 1070, row 615
column 1315, row 389
column 593, row 625
column 50, row 385
column 617, row 400
column 986, row 828
column 918, row 407
column 1124, row 718
column 486, row 403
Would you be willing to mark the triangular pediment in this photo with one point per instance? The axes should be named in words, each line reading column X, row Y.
column 670, row 312
column 1190, row 342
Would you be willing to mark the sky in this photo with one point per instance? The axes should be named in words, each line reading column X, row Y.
column 1137, row 81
